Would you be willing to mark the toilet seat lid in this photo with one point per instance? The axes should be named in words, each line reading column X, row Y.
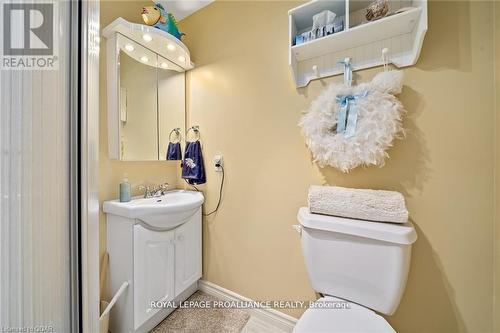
column 334, row 315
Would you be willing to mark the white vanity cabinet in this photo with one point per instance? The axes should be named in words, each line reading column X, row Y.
column 160, row 265
column 187, row 256
column 154, row 268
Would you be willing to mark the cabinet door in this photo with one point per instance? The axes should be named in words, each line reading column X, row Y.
column 153, row 271
column 187, row 254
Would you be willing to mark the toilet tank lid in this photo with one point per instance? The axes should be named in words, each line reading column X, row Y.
column 389, row 232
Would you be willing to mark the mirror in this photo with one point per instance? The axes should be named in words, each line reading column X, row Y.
column 138, row 106
column 151, row 102
column 171, row 99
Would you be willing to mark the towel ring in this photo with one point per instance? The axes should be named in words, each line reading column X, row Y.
column 177, row 131
column 196, row 130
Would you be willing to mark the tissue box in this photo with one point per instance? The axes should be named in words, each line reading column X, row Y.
column 322, row 19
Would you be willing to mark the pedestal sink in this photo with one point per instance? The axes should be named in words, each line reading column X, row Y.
column 158, row 213
column 154, row 244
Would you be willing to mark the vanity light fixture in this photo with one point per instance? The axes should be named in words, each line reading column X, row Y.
column 147, row 37
column 171, row 47
column 144, row 59
column 129, row 47
column 181, row 59
column 164, row 65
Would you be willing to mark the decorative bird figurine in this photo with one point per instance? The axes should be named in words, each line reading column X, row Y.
column 158, row 17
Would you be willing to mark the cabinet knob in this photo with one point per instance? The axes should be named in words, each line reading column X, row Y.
column 180, row 237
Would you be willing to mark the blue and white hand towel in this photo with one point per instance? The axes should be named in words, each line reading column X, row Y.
column 193, row 169
column 174, row 151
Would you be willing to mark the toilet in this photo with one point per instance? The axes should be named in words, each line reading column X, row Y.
column 359, row 267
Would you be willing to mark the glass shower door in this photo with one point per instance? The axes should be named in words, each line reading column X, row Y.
column 35, row 193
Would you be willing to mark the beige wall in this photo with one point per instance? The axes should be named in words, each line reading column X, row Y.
column 242, row 96
column 111, row 172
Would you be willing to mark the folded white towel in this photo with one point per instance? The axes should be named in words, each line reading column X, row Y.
column 371, row 205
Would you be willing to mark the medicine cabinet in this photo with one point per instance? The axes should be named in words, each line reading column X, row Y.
column 145, row 90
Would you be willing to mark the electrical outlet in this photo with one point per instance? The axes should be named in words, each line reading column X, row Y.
column 218, row 162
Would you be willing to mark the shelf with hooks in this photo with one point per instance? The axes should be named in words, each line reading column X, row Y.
column 400, row 34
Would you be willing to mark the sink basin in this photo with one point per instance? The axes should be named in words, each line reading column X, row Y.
column 159, row 213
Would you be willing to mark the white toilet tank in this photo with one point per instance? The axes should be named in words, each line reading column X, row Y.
column 359, row 261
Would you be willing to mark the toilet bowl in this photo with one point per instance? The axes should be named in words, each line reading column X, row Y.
column 360, row 266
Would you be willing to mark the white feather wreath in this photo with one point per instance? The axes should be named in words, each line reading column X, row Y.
column 379, row 121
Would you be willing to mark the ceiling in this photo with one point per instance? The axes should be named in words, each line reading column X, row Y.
column 183, row 8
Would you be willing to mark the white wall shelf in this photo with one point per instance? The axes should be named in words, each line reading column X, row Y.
column 402, row 34
column 158, row 41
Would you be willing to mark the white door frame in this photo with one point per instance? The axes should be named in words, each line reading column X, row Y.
column 89, row 157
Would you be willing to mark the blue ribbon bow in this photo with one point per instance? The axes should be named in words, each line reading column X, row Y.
column 347, row 114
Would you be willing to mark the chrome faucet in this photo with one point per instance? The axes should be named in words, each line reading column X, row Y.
column 150, row 192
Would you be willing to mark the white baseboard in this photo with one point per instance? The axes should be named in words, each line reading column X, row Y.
column 270, row 317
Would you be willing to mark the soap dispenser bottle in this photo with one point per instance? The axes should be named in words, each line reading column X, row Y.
column 125, row 190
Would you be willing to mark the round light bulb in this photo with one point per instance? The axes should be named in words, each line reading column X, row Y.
column 164, row 65
column 129, row 47
column 171, row 47
column 181, row 59
column 144, row 59
column 147, row 37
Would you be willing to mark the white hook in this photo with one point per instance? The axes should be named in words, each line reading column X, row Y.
column 347, row 71
column 315, row 70
column 385, row 58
